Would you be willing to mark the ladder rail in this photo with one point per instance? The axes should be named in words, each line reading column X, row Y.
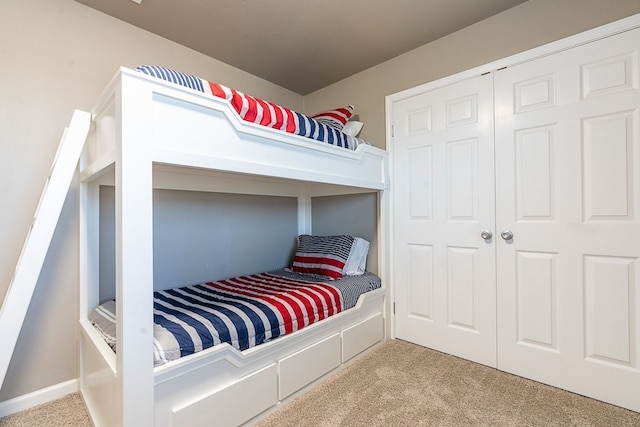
column 36, row 245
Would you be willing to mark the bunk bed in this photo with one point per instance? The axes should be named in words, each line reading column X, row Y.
column 152, row 133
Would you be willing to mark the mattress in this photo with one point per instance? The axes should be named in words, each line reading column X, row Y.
column 325, row 127
column 242, row 311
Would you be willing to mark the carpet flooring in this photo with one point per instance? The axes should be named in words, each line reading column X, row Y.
column 402, row 384
column 68, row 411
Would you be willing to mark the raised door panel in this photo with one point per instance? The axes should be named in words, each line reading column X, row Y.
column 537, row 299
column 462, row 286
column 607, row 165
column 611, row 329
column 567, row 174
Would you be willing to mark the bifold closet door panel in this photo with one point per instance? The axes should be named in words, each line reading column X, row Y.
column 568, row 188
column 444, row 271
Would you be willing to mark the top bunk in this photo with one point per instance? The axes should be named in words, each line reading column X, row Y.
column 142, row 119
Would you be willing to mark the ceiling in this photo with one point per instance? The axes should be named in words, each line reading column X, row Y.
column 297, row 44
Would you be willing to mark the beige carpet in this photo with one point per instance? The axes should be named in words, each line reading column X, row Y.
column 68, row 412
column 402, row 384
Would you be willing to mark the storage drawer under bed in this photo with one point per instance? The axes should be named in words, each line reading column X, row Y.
column 306, row 366
column 361, row 336
column 232, row 405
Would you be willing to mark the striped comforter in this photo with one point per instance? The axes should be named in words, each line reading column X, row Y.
column 243, row 311
column 256, row 110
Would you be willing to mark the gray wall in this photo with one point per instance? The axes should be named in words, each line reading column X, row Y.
column 202, row 236
column 199, row 236
column 355, row 215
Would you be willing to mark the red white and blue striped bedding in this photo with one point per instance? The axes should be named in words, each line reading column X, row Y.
column 256, row 110
column 243, row 311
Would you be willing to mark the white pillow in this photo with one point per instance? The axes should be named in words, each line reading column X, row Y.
column 357, row 260
column 352, row 127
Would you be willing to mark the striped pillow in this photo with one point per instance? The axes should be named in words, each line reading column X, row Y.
column 335, row 118
column 325, row 255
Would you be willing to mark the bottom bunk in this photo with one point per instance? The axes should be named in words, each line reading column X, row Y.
column 277, row 332
column 243, row 311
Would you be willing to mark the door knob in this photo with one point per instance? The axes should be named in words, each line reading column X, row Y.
column 507, row 235
column 486, row 234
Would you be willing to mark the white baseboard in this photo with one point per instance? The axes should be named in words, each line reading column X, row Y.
column 38, row 397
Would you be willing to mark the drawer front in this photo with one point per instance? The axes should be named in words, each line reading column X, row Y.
column 305, row 366
column 232, row 405
column 360, row 337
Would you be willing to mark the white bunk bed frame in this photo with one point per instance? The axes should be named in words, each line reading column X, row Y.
column 147, row 133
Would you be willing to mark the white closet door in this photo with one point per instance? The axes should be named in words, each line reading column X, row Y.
column 568, row 187
column 444, row 270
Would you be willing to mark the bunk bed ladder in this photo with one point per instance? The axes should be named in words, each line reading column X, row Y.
column 36, row 245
